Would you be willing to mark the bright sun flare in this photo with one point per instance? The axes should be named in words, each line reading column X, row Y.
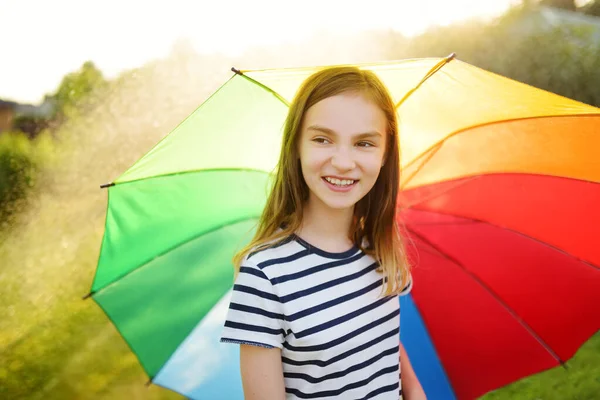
column 118, row 35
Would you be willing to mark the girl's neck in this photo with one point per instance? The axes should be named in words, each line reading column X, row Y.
column 325, row 227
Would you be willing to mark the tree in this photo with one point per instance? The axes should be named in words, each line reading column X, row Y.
column 565, row 4
column 592, row 8
column 79, row 90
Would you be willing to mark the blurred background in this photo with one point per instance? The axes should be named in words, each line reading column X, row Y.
column 88, row 87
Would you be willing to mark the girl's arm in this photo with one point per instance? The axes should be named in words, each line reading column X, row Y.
column 411, row 387
column 262, row 373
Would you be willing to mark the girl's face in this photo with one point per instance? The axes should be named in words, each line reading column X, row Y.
column 342, row 144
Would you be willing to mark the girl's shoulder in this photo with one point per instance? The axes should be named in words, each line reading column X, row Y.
column 273, row 249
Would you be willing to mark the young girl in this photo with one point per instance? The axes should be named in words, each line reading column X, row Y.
column 315, row 304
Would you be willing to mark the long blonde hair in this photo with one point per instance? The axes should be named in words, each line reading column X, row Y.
column 375, row 216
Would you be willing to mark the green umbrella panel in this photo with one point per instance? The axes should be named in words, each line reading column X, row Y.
column 181, row 211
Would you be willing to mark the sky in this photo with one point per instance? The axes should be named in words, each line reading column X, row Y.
column 49, row 38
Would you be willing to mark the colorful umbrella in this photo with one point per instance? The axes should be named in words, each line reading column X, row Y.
column 500, row 204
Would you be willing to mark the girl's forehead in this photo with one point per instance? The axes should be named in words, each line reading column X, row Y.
column 346, row 113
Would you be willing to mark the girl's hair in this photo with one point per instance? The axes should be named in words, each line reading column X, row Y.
column 374, row 228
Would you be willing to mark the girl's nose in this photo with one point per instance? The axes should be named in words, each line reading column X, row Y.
column 342, row 160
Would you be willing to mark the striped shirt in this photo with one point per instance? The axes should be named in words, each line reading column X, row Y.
column 339, row 337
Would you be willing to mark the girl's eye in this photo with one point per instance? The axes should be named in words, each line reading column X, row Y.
column 365, row 144
column 320, row 140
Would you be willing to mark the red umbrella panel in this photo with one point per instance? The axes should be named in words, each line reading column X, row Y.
column 507, row 266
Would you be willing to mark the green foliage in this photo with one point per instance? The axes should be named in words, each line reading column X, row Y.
column 30, row 125
column 563, row 59
column 24, row 150
column 550, row 62
column 79, row 90
column 565, row 4
column 592, row 8
column 21, row 160
column 17, row 170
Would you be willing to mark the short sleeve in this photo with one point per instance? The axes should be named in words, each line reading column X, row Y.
column 255, row 313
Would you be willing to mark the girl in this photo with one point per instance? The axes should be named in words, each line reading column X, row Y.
column 315, row 302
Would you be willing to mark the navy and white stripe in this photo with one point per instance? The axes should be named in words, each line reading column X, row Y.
column 338, row 336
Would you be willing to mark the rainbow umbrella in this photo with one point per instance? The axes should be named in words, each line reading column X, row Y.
column 500, row 204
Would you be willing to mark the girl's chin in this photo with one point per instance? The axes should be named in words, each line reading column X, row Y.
column 333, row 200
column 338, row 204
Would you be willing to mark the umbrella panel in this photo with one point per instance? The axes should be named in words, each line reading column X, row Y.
column 238, row 127
column 148, row 218
column 561, row 146
column 558, row 212
column 158, row 305
column 475, row 291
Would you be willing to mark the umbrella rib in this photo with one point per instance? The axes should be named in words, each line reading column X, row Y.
column 144, row 263
column 456, row 184
column 429, row 74
column 512, row 312
column 469, row 222
column 475, row 220
column 268, row 89
column 177, row 126
column 191, row 171
column 428, row 157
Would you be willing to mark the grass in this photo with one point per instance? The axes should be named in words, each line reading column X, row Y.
column 53, row 344
column 580, row 380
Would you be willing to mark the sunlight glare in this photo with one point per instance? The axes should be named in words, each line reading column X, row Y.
column 127, row 34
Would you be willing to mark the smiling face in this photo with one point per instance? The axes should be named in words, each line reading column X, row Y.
column 341, row 146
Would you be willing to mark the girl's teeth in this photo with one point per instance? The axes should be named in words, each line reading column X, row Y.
column 338, row 182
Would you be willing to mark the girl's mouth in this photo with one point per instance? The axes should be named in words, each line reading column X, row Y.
column 339, row 185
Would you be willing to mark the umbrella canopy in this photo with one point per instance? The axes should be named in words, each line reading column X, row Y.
column 499, row 202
